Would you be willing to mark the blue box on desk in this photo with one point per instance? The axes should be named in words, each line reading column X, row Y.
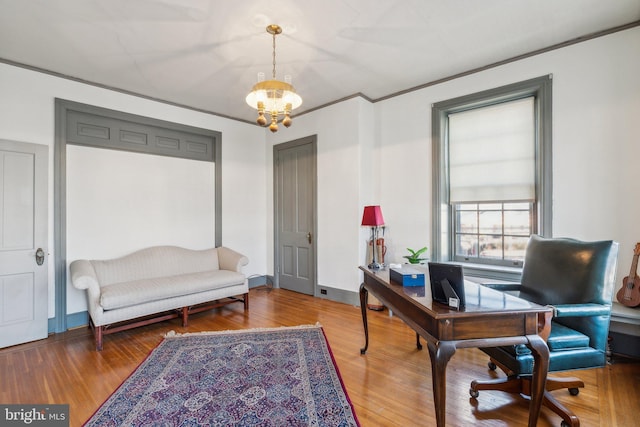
column 407, row 276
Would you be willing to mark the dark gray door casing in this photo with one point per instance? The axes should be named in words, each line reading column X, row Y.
column 295, row 215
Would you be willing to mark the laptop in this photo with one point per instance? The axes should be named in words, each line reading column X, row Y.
column 447, row 284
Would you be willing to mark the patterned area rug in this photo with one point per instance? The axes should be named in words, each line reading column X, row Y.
column 257, row 377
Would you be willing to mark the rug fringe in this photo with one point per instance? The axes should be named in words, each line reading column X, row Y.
column 171, row 334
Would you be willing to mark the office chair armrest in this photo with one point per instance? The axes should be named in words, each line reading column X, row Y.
column 580, row 310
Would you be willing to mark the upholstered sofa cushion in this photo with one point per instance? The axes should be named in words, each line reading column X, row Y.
column 126, row 294
column 158, row 283
column 158, row 261
column 157, row 279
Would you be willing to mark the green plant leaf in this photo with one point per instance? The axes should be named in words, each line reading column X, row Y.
column 420, row 251
column 417, row 253
column 414, row 258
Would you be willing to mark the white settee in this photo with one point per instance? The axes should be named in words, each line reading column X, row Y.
column 158, row 283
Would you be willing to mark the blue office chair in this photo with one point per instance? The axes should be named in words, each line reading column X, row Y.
column 577, row 279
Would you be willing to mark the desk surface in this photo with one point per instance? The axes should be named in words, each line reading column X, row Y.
column 503, row 315
column 478, row 298
column 489, row 319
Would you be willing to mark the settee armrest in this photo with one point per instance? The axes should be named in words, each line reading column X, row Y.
column 228, row 259
column 83, row 276
column 580, row 310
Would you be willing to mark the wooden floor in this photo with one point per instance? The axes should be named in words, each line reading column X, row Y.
column 389, row 386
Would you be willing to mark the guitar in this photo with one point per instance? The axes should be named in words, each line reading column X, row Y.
column 629, row 294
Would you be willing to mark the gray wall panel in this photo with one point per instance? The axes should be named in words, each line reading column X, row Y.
column 110, row 129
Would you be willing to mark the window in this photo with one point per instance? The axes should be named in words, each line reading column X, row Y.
column 493, row 233
column 492, row 176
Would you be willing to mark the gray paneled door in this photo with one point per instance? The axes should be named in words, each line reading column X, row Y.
column 23, row 242
column 295, row 177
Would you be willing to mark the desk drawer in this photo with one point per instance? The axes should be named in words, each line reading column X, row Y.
column 494, row 326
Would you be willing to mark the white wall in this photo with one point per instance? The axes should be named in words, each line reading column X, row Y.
column 27, row 114
column 596, row 132
column 596, row 147
column 596, row 142
column 343, row 142
column 119, row 202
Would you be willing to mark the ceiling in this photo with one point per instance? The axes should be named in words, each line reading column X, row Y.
column 206, row 54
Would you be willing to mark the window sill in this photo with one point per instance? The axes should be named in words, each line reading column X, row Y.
column 482, row 273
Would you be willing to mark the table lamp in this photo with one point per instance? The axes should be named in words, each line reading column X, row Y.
column 372, row 217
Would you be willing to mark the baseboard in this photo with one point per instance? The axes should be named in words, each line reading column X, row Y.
column 338, row 295
column 624, row 344
column 74, row 320
column 322, row 291
column 263, row 280
column 624, row 330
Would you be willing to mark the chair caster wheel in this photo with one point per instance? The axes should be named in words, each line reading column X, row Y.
column 574, row 391
column 492, row 366
column 474, row 393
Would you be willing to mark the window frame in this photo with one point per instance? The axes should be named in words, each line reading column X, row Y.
column 478, row 232
column 442, row 216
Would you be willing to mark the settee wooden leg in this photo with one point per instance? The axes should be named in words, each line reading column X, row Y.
column 246, row 301
column 97, row 330
column 185, row 316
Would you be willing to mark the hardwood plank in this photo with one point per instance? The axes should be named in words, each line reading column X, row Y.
column 389, row 386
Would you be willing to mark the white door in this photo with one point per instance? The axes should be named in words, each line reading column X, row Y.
column 23, row 236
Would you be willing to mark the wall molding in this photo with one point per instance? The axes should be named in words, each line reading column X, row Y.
column 64, row 110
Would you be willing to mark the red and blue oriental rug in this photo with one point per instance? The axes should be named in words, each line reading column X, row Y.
column 257, row 377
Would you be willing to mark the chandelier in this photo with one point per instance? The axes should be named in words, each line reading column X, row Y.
column 274, row 97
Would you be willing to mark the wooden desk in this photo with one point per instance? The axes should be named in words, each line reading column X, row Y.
column 490, row 319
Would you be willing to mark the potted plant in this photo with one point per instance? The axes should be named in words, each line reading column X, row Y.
column 414, row 257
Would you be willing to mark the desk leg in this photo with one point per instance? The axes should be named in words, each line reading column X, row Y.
column 440, row 354
column 364, row 296
column 540, row 353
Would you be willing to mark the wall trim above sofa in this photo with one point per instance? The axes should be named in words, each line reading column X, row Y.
column 64, row 109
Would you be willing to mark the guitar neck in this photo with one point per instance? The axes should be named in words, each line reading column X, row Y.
column 634, row 268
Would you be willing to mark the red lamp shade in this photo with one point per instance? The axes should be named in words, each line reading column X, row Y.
column 372, row 216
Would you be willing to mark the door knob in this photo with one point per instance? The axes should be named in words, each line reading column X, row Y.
column 39, row 256
column 309, row 237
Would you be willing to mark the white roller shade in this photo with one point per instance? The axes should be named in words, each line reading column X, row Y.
column 492, row 153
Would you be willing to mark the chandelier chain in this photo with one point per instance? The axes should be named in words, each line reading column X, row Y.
column 274, row 56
